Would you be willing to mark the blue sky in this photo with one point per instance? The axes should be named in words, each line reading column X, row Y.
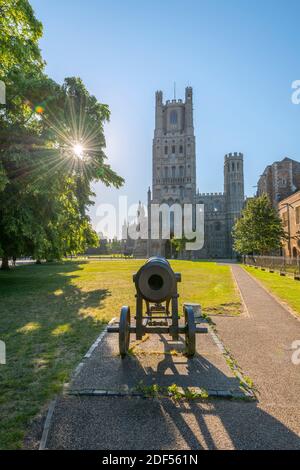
column 240, row 56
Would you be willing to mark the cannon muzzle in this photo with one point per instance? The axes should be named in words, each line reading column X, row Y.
column 156, row 283
column 156, row 280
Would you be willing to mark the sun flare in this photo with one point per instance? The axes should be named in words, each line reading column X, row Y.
column 78, row 150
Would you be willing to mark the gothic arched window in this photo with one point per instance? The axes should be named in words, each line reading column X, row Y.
column 173, row 117
column 217, row 206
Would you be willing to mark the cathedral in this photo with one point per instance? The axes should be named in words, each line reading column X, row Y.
column 174, row 181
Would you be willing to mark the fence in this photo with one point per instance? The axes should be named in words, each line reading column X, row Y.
column 99, row 257
column 282, row 264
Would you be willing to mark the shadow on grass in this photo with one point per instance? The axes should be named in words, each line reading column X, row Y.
column 47, row 323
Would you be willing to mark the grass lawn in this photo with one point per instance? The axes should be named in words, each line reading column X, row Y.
column 50, row 315
column 284, row 287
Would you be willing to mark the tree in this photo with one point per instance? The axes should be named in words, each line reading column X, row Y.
column 19, row 54
column 47, row 188
column 45, row 182
column 19, row 35
column 259, row 229
column 179, row 245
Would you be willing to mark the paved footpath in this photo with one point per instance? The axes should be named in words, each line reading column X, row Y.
column 261, row 342
column 259, row 339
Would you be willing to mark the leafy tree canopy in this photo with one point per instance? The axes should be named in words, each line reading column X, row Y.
column 19, row 35
column 179, row 244
column 51, row 148
column 260, row 229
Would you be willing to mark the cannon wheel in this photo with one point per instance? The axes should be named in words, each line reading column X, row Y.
column 190, row 333
column 124, row 331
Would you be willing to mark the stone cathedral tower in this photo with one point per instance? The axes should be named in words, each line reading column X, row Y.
column 174, row 181
column 174, row 154
column 233, row 191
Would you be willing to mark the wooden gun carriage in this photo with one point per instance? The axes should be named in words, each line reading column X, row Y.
column 157, row 308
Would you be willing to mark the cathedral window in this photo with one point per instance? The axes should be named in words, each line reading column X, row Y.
column 173, row 117
column 282, row 182
column 166, row 172
column 173, row 149
column 180, row 149
column 166, row 150
column 173, row 171
column 232, row 166
column 217, row 206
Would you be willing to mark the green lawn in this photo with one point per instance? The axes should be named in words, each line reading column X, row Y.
column 50, row 315
column 284, row 287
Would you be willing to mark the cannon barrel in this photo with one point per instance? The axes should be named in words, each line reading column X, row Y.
column 156, row 283
column 156, row 280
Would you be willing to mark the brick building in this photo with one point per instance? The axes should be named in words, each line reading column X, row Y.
column 289, row 211
column 279, row 180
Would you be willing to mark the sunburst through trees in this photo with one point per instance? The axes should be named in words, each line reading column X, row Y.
column 51, row 148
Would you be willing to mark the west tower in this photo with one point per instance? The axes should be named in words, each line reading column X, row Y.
column 174, row 152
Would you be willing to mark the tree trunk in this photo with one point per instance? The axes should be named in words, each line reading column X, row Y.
column 38, row 261
column 4, row 264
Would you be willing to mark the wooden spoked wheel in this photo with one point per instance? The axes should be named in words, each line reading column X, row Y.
column 124, row 331
column 190, row 331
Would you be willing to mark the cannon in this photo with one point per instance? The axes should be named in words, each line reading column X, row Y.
column 157, row 308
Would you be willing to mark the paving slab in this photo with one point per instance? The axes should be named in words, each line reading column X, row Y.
column 81, row 421
column 113, row 423
column 157, row 360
